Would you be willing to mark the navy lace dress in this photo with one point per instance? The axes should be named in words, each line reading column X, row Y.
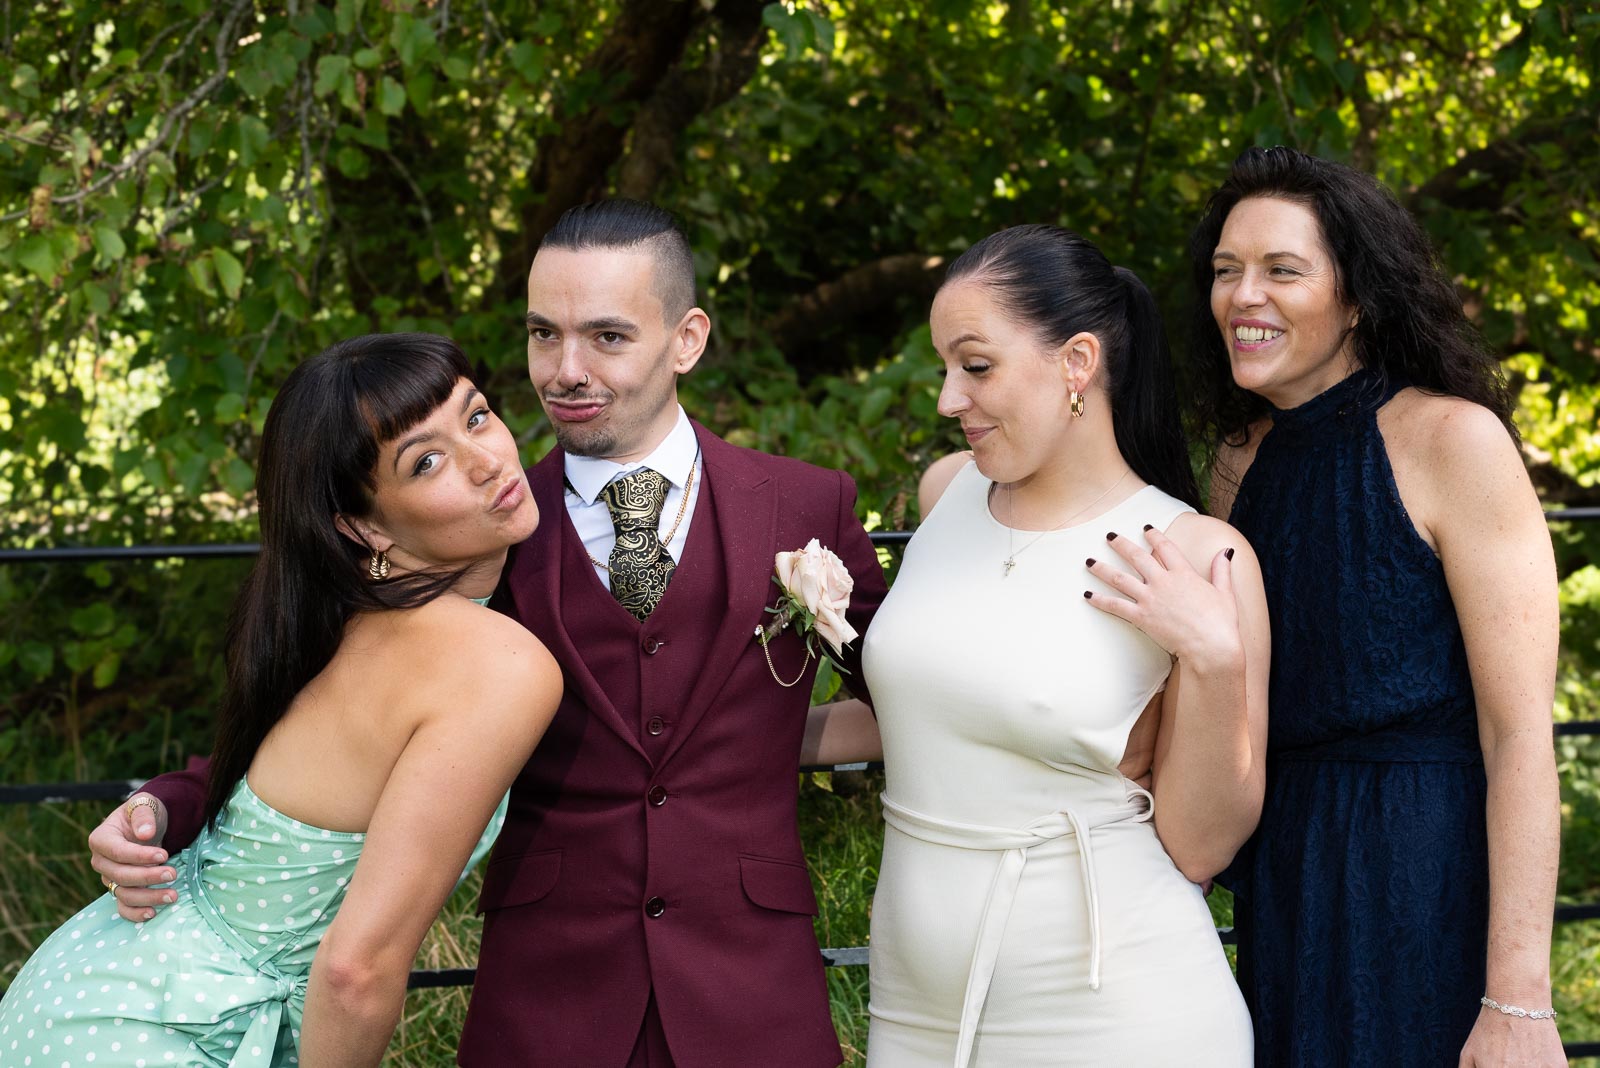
column 1362, row 899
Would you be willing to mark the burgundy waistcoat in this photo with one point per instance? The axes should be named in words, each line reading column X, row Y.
column 635, row 862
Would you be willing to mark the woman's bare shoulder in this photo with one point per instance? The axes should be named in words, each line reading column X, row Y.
column 1201, row 537
column 474, row 651
column 937, row 478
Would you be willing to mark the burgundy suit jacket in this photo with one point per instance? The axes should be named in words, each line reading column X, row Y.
column 640, row 859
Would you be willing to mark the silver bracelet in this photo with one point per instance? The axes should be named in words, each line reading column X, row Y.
column 1512, row 1010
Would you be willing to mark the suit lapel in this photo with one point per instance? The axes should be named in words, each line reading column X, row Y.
column 747, row 529
column 547, row 574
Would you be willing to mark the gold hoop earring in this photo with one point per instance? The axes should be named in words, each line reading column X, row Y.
column 1075, row 401
column 378, row 566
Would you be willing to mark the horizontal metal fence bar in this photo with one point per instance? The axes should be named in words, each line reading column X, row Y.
column 47, row 792
column 427, row 979
column 117, row 789
column 126, row 552
column 250, row 548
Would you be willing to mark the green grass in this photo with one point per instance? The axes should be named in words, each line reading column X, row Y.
column 46, row 878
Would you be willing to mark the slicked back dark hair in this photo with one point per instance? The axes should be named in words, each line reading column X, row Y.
column 1411, row 326
column 620, row 223
column 319, row 454
column 1056, row 284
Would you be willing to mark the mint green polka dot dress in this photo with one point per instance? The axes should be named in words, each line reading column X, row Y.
column 218, row 978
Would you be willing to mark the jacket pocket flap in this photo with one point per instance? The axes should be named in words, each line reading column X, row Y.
column 519, row 880
column 778, row 884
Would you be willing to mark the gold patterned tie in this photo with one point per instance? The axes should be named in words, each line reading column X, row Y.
column 640, row 566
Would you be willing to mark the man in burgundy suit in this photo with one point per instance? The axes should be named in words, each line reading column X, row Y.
column 647, row 903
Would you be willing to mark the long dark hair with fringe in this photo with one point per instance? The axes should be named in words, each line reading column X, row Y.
column 1058, row 284
column 319, row 454
column 1411, row 326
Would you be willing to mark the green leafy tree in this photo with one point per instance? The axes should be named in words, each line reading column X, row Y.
column 194, row 196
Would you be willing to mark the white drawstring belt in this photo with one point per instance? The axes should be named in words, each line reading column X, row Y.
column 1013, row 845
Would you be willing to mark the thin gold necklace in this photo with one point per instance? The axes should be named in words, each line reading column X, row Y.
column 683, row 508
column 1011, row 515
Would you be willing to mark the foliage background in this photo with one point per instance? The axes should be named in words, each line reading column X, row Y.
column 194, row 196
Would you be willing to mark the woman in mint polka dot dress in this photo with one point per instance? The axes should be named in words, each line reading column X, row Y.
column 373, row 720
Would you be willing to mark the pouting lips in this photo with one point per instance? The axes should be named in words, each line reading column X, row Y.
column 511, row 496
column 574, row 413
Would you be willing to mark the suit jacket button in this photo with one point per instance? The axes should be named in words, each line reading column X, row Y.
column 657, row 796
column 652, row 646
column 654, row 907
column 656, row 725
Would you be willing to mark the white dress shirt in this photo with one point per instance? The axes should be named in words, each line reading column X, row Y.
column 588, row 475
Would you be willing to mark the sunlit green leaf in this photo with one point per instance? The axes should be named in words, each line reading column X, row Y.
column 391, row 96
column 230, row 272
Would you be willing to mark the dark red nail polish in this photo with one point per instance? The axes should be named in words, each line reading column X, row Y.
column 1089, row 562
column 1112, row 536
column 1087, row 595
column 1148, row 527
column 1229, row 554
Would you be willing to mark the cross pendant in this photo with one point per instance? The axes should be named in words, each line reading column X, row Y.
column 1010, row 563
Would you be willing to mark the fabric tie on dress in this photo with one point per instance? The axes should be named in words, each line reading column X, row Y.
column 1013, row 844
column 640, row 566
column 209, row 1006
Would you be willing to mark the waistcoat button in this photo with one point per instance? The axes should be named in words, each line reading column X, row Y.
column 654, row 907
column 657, row 795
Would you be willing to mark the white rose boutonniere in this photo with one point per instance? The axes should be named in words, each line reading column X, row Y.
column 816, row 593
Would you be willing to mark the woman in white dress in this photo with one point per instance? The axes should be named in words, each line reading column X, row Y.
column 1069, row 677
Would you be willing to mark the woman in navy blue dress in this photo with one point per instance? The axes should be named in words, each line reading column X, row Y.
column 1394, row 906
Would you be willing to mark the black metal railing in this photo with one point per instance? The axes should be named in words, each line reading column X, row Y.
column 848, row 956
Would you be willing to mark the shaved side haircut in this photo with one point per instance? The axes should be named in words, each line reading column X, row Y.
column 635, row 226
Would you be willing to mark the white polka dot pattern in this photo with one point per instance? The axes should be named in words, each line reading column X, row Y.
column 217, row 978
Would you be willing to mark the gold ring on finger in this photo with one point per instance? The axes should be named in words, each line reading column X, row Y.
column 112, row 885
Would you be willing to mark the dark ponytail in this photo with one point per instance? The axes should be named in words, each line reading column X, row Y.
column 1059, row 284
column 319, row 450
column 1144, row 398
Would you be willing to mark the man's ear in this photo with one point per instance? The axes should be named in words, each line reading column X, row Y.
column 363, row 532
column 1079, row 360
column 694, row 330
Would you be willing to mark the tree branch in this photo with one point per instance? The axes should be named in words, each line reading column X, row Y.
column 178, row 111
column 1479, row 180
column 685, row 94
column 863, row 288
column 570, row 162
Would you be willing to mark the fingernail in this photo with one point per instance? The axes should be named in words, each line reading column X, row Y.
column 1087, row 595
column 149, row 914
column 168, row 875
column 1229, row 554
column 1089, row 562
column 168, row 899
column 1112, row 536
column 1148, row 527
column 161, row 858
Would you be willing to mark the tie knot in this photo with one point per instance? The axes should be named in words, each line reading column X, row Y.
column 635, row 500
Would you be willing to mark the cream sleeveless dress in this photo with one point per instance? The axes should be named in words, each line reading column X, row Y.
column 1026, row 914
